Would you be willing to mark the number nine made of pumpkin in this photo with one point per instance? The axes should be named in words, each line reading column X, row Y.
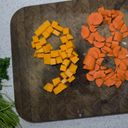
column 106, row 46
column 66, row 55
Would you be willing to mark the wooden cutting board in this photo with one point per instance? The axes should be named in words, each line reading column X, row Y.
column 82, row 99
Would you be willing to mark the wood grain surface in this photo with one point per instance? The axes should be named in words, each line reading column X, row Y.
column 82, row 99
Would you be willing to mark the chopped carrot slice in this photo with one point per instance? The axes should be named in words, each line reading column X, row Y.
column 89, row 77
column 108, row 44
column 92, row 28
column 97, row 67
column 124, row 28
column 91, row 38
column 98, row 37
column 123, row 66
column 85, row 32
column 118, row 36
column 126, row 75
column 111, row 27
column 99, row 61
column 89, row 61
column 99, row 74
column 103, row 67
column 99, row 44
column 99, row 82
column 95, row 18
column 109, row 83
column 116, row 50
column 114, row 44
column 123, row 53
column 101, row 55
column 125, row 34
column 109, row 39
column 117, row 61
column 107, row 49
column 118, row 83
column 108, row 71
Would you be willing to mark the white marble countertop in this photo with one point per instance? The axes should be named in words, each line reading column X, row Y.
column 7, row 9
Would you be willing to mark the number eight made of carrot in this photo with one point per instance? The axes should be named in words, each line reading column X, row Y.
column 66, row 55
column 106, row 46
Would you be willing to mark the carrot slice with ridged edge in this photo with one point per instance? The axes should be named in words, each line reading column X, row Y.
column 85, row 32
column 99, row 44
column 95, row 18
column 99, row 82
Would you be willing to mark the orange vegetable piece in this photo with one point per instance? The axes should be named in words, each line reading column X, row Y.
column 118, row 36
column 124, row 28
column 98, row 44
column 125, row 34
column 98, row 37
column 116, row 51
column 91, row 38
column 99, row 82
column 85, row 32
column 89, row 77
column 99, row 74
column 95, row 18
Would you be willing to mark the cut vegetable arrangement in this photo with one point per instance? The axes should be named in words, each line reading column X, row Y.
column 65, row 55
column 106, row 46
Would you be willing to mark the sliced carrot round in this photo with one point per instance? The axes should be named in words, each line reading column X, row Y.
column 95, row 18
column 89, row 77
column 99, row 82
column 85, row 32
column 99, row 44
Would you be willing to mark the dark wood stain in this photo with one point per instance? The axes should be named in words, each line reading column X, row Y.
column 82, row 99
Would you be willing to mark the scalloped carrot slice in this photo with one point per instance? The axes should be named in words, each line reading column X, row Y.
column 124, row 28
column 111, row 27
column 99, row 61
column 99, row 74
column 89, row 61
column 108, row 71
column 114, row 44
column 92, row 28
column 91, row 38
column 126, row 75
column 97, row 67
column 99, row 82
column 125, row 34
column 99, row 44
column 85, row 32
column 123, row 66
column 89, row 77
column 98, row 37
column 117, row 61
column 118, row 83
column 118, row 36
column 109, row 39
column 95, row 18
column 123, row 53
column 116, row 50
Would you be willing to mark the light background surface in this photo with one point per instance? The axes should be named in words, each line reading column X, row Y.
column 7, row 10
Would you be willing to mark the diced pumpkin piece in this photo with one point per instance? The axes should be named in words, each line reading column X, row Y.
column 56, row 33
column 46, row 34
column 47, row 48
column 63, row 47
column 35, row 39
column 42, row 28
column 53, row 61
column 43, row 41
column 68, row 73
column 59, row 28
column 38, row 47
column 47, row 59
column 64, row 81
column 63, row 68
column 74, row 53
column 48, row 87
column 40, row 55
column 49, row 29
column 59, row 60
column 54, row 24
column 72, row 78
column 56, row 81
column 63, row 75
column 63, row 39
column 73, row 68
column 69, row 44
column 74, row 59
column 63, row 55
column 66, row 62
column 54, row 53
column 59, row 88
column 41, row 50
column 69, row 37
column 66, row 31
column 33, row 44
